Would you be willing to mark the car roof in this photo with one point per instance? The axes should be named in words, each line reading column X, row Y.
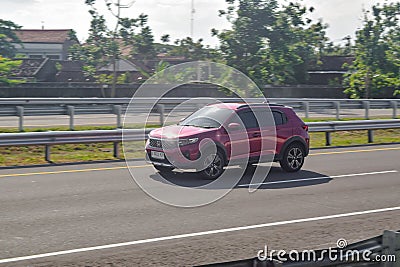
column 236, row 106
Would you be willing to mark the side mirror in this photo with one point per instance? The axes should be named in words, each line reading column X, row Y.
column 182, row 119
column 233, row 126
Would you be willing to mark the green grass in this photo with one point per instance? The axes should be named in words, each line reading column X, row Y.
column 350, row 138
column 17, row 156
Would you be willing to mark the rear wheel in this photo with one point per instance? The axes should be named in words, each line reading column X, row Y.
column 293, row 158
column 213, row 166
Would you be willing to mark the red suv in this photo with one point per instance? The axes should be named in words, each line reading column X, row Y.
column 238, row 132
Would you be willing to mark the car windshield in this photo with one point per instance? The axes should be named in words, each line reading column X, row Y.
column 208, row 117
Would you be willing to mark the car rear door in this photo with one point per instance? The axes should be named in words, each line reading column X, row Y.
column 283, row 128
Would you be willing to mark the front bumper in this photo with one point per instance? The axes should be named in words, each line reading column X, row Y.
column 183, row 159
column 163, row 163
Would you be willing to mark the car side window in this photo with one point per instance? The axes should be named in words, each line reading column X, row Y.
column 279, row 118
column 249, row 119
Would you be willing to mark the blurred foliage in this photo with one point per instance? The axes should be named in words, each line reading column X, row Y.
column 108, row 78
column 7, row 66
column 103, row 46
column 332, row 49
column 270, row 42
column 160, row 67
column 7, row 37
column 141, row 42
column 273, row 42
column 377, row 53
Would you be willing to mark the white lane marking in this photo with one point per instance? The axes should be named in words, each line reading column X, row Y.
column 320, row 178
column 195, row 234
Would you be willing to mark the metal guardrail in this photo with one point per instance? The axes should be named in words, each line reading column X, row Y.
column 115, row 136
column 335, row 126
column 51, row 138
column 387, row 245
column 21, row 107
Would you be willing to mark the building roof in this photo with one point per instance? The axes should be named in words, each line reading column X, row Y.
column 29, row 67
column 122, row 65
column 333, row 63
column 43, row 36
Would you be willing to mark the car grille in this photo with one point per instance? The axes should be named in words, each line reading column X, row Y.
column 164, row 144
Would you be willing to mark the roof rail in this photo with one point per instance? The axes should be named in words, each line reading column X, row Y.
column 260, row 104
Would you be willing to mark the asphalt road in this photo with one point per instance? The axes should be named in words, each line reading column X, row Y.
column 107, row 119
column 95, row 215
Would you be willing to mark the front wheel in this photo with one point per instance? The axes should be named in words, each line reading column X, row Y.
column 293, row 158
column 213, row 166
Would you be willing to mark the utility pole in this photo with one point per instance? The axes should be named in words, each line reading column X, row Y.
column 117, row 15
column 114, row 80
column 192, row 12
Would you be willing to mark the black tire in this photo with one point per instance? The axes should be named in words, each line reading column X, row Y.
column 293, row 158
column 213, row 166
column 163, row 169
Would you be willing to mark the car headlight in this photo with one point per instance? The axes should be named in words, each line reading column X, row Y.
column 188, row 141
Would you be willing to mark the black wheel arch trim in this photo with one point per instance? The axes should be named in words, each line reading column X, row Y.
column 291, row 141
column 223, row 149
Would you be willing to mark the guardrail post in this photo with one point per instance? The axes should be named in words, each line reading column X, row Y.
column 161, row 110
column 366, row 105
column 306, row 107
column 370, row 136
column 47, row 153
column 337, row 107
column 117, row 111
column 116, row 150
column 328, row 139
column 20, row 114
column 71, row 114
column 394, row 106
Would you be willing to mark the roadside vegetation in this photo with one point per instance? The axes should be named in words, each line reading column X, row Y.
column 272, row 42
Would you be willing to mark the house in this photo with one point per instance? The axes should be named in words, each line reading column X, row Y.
column 36, row 70
column 70, row 71
column 133, row 71
column 52, row 44
column 330, row 71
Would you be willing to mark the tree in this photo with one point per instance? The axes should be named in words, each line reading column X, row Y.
column 190, row 49
column 7, row 66
column 142, row 43
column 100, row 48
column 376, row 66
column 165, row 38
column 271, row 43
column 332, row 49
column 7, row 51
column 103, row 45
column 7, row 37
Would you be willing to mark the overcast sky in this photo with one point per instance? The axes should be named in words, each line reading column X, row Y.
column 171, row 16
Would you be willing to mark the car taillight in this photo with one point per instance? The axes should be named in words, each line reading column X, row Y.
column 305, row 127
